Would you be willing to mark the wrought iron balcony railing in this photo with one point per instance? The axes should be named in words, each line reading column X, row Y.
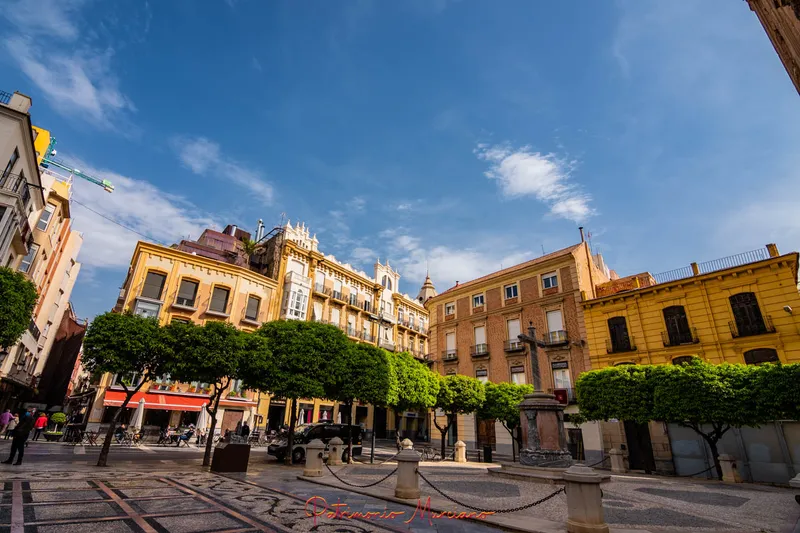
column 479, row 350
column 625, row 345
column 450, row 355
column 556, row 338
column 679, row 338
column 513, row 346
column 753, row 328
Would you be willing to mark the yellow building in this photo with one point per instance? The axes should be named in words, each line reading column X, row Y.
column 198, row 282
column 739, row 309
column 368, row 309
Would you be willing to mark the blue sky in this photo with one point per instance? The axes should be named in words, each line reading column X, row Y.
column 463, row 135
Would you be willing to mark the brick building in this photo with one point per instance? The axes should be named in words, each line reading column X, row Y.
column 781, row 21
column 474, row 328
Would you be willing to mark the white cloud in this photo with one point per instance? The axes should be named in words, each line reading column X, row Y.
column 204, row 157
column 45, row 17
column 134, row 203
column 357, row 203
column 363, row 255
column 523, row 172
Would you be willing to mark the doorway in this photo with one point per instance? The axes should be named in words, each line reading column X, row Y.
column 231, row 419
column 380, row 422
column 640, row 449
column 575, row 443
column 276, row 416
column 486, row 435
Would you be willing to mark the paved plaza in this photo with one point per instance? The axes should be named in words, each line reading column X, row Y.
column 168, row 491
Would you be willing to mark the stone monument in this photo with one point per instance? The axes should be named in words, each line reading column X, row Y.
column 542, row 419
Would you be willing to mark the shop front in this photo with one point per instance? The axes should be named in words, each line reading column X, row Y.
column 414, row 425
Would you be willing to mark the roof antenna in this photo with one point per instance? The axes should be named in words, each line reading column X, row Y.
column 543, row 250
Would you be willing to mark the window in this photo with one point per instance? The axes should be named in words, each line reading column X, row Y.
column 366, row 329
column 219, row 300
column 513, row 329
column 27, row 261
column 411, row 319
column 678, row 331
column 187, row 293
column 554, row 321
column 319, row 281
column 511, row 291
column 450, row 346
column 180, row 320
column 550, row 280
column 335, row 316
column 153, row 285
column 44, row 219
column 317, row 311
column 400, row 313
column 482, row 375
column 253, row 304
column 518, row 375
column 351, row 325
column 146, row 309
column 480, row 335
column 297, row 304
column 387, row 283
column 449, row 309
column 682, row 360
column 11, row 162
column 561, row 378
column 747, row 315
column 477, row 300
column 618, row 332
column 422, row 345
column 761, row 355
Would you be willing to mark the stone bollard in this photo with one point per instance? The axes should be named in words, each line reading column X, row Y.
column 730, row 472
column 407, row 444
column 617, row 461
column 407, row 478
column 585, row 500
column 335, row 447
column 313, row 467
column 795, row 482
column 461, row 452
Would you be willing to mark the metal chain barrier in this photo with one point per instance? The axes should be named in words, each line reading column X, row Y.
column 495, row 511
column 360, row 486
column 378, row 464
column 698, row 473
column 601, row 461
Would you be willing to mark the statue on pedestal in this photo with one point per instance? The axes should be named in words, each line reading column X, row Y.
column 542, row 418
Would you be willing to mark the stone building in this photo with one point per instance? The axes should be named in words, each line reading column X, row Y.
column 781, row 21
column 474, row 329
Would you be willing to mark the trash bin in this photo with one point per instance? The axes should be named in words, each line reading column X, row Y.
column 230, row 457
column 487, row 454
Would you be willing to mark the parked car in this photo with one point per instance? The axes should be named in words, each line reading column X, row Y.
column 324, row 431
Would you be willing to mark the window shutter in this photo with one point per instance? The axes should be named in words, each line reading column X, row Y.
column 153, row 285
column 252, row 308
column 335, row 316
column 317, row 311
column 513, row 329
column 219, row 300
column 555, row 321
column 187, row 292
column 480, row 335
column 451, row 341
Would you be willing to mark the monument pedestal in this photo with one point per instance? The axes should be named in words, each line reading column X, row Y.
column 546, row 443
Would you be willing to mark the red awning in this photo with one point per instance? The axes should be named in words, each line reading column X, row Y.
column 154, row 400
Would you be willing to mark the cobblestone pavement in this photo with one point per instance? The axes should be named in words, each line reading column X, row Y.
column 45, row 500
column 650, row 503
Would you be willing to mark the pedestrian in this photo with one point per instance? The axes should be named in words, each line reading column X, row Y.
column 245, row 431
column 39, row 425
column 19, row 437
column 11, row 425
column 5, row 418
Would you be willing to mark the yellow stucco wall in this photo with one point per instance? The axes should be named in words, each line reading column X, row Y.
column 706, row 301
column 40, row 143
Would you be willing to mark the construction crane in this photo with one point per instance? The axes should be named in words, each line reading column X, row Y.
column 48, row 159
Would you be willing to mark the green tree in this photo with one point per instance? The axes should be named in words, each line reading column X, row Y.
column 360, row 372
column 17, row 300
column 132, row 347
column 213, row 354
column 417, row 385
column 709, row 399
column 57, row 419
column 299, row 356
column 502, row 403
column 457, row 395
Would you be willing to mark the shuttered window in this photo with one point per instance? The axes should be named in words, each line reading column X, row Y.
column 153, row 285
column 187, row 293
column 253, row 303
column 219, row 300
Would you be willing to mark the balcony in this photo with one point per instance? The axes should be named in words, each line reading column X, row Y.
column 387, row 344
column 366, row 306
column 294, row 277
column 404, row 323
column 351, row 332
column 753, row 328
column 368, row 337
column 679, row 338
column 320, row 289
column 479, row 350
column 388, row 317
column 514, row 346
column 556, row 338
column 338, row 296
column 34, row 330
column 450, row 355
column 627, row 345
column 353, row 300
column 5, row 97
column 564, row 396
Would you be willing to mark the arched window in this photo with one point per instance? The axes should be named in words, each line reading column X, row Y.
column 623, row 363
column 618, row 333
column 678, row 331
column 683, row 359
column 747, row 315
column 761, row 355
column 387, row 282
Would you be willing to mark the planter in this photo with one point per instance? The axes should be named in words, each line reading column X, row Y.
column 53, row 436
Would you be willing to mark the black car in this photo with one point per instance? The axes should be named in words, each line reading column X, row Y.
column 322, row 431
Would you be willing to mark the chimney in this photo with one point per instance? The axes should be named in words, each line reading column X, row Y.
column 581, row 230
column 233, row 230
column 20, row 102
column 260, row 230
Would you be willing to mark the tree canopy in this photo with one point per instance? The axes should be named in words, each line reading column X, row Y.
column 17, row 300
column 502, row 403
column 417, row 385
column 135, row 348
column 361, row 372
column 710, row 399
column 457, row 395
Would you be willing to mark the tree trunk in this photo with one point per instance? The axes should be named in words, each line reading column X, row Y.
column 290, row 437
column 513, row 441
column 372, row 450
column 712, row 444
column 350, row 408
column 443, row 431
column 210, row 440
column 712, row 439
column 102, row 460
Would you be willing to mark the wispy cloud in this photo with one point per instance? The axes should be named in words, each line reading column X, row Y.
column 54, row 18
column 137, row 204
column 204, row 157
column 257, row 65
column 523, row 172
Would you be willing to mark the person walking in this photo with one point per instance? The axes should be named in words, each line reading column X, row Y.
column 39, row 425
column 11, row 425
column 20, row 435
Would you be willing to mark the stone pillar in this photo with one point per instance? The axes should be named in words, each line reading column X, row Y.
column 461, row 452
column 730, row 472
column 335, row 448
column 407, row 478
column 584, row 500
column 542, row 417
column 313, row 466
column 407, row 444
column 617, row 461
